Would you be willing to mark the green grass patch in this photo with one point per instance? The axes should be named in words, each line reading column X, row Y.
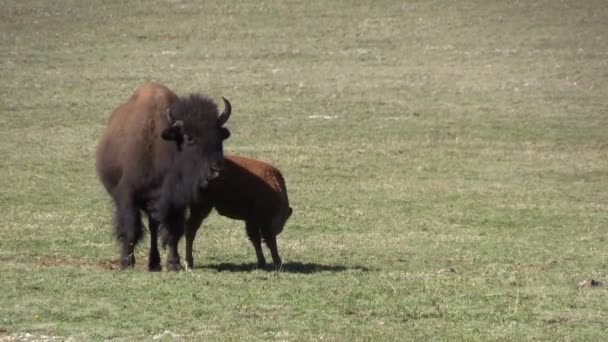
column 447, row 163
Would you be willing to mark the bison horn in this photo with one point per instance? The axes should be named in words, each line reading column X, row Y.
column 226, row 113
column 172, row 121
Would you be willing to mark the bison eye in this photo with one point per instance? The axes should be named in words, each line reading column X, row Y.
column 189, row 140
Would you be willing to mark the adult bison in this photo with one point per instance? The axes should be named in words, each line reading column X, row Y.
column 248, row 190
column 157, row 151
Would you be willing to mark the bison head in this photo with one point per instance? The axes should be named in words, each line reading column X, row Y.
column 196, row 126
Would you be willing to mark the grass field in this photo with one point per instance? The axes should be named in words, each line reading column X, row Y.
column 447, row 162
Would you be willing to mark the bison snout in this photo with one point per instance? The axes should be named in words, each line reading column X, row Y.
column 215, row 169
column 214, row 173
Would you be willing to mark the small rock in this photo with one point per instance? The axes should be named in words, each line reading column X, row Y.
column 590, row 283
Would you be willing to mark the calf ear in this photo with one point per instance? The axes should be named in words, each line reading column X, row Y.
column 225, row 133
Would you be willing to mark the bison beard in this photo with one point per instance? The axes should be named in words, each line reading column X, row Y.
column 180, row 189
column 182, row 184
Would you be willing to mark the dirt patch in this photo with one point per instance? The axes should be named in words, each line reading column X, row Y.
column 21, row 337
column 454, row 261
column 530, row 267
column 85, row 263
column 111, row 265
column 55, row 260
column 447, row 270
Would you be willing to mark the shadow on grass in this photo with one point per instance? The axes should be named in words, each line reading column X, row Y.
column 288, row 267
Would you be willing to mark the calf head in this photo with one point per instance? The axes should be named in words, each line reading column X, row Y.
column 278, row 223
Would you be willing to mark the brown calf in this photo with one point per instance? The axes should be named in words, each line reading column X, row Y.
column 247, row 190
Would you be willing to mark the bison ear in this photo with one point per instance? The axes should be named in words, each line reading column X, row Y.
column 173, row 134
column 170, row 133
column 225, row 133
column 174, row 131
column 172, row 121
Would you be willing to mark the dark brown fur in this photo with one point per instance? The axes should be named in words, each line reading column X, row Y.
column 142, row 171
column 247, row 190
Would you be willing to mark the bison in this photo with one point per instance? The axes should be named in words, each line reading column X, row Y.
column 156, row 153
column 247, row 190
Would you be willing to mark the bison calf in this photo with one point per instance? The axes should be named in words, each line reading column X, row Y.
column 247, row 190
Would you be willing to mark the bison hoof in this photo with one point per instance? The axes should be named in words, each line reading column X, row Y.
column 127, row 263
column 155, row 268
column 174, row 267
column 189, row 264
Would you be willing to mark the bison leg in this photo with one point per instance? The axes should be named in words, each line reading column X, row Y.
column 256, row 239
column 197, row 215
column 154, row 256
column 174, row 226
column 271, row 242
column 129, row 230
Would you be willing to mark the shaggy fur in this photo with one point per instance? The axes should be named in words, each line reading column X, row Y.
column 143, row 171
column 247, row 190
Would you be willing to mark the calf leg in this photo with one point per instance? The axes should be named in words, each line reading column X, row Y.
column 253, row 233
column 271, row 242
column 197, row 215
column 154, row 256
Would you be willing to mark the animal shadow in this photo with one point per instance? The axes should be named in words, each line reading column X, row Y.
column 288, row 267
